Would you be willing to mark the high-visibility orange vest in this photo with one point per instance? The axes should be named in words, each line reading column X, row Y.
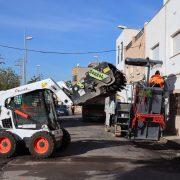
column 157, row 80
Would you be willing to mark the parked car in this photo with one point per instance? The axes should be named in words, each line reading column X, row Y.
column 62, row 110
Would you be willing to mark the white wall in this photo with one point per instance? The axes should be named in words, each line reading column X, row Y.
column 125, row 37
column 173, row 26
column 155, row 33
column 160, row 30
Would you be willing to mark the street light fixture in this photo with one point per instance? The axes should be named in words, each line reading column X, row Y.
column 122, row 27
column 29, row 37
column 26, row 38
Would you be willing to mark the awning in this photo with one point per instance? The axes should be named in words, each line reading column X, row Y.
column 142, row 62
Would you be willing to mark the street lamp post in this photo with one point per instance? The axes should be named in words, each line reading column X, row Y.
column 96, row 57
column 26, row 38
column 38, row 71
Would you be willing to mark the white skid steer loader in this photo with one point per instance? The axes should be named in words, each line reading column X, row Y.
column 27, row 114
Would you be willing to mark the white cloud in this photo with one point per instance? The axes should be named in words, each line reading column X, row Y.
column 55, row 24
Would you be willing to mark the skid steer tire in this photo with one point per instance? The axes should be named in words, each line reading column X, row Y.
column 66, row 139
column 7, row 144
column 41, row 145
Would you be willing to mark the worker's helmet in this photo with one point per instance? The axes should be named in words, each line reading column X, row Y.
column 157, row 72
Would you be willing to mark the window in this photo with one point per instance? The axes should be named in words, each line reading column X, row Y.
column 121, row 51
column 118, row 53
column 74, row 78
column 32, row 104
column 176, row 43
column 155, row 52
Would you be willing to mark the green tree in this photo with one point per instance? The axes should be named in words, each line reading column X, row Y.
column 34, row 79
column 8, row 79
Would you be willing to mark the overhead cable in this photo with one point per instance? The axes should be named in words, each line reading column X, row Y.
column 64, row 53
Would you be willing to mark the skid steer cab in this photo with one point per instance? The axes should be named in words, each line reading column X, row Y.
column 28, row 117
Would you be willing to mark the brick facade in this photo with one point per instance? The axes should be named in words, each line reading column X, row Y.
column 135, row 49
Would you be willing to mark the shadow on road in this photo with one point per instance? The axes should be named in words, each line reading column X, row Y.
column 153, row 145
column 83, row 146
column 77, row 122
column 159, row 169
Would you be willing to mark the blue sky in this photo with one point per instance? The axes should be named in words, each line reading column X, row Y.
column 67, row 26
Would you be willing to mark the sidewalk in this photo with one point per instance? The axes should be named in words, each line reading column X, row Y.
column 173, row 140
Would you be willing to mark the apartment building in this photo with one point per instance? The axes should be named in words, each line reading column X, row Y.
column 163, row 43
column 158, row 40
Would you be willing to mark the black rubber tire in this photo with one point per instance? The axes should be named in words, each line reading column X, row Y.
column 12, row 139
column 51, row 143
column 66, row 139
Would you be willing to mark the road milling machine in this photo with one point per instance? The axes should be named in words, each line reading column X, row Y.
column 144, row 117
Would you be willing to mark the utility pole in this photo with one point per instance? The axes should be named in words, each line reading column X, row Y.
column 1, row 60
column 20, row 63
column 26, row 38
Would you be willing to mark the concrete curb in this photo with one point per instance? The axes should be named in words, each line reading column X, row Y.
column 172, row 142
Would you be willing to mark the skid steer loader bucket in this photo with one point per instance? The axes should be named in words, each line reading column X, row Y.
column 103, row 80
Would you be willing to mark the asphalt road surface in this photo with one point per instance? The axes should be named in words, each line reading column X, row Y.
column 95, row 154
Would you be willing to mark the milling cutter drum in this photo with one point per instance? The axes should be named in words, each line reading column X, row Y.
column 103, row 80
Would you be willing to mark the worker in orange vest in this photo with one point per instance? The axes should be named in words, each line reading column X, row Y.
column 157, row 80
